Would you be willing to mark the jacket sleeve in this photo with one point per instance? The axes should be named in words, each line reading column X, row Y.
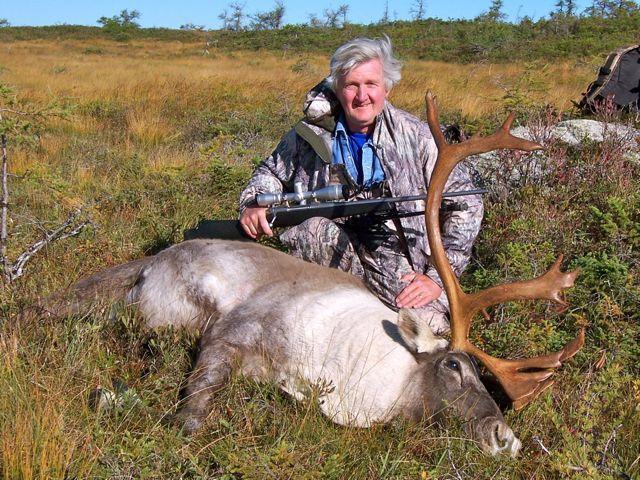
column 275, row 173
column 459, row 228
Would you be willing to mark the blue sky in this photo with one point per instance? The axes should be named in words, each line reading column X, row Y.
column 165, row 13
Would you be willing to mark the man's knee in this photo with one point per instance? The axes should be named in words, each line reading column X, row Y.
column 322, row 241
column 315, row 230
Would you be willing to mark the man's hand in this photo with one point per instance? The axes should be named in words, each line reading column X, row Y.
column 420, row 292
column 254, row 222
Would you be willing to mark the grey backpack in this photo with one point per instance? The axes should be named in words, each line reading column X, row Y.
column 618, row 80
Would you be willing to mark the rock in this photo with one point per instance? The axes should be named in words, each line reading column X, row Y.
column 502, row 171
column 102, row 399
column 574, row 132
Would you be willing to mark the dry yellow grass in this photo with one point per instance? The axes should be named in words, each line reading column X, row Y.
column 157, row 85
column 477, row 89
column 38, row 441
column 148, row 150
column 151, row 75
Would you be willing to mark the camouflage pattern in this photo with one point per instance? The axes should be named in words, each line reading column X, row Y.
column 407, row 151
column 337, row 244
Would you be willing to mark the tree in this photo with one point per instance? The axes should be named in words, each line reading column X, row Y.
column 612, row 8
column 385, row 14
column 564, row 8
column 271, row 20
column 191, row 26
column 417, row 10
column 599, row 8
column 495, row 13
column 125, row 21
column 332, row 18
column 315, row 22
column 4, row 23
column 342, row 11
column 562, row 18
column 234, row 20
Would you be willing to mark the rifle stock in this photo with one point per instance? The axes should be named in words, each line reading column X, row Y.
column 222, row 229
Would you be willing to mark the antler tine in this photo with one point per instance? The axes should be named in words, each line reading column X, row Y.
column 433, row 116
column 522, row 379
column 547, row 286
column 506, row 125
column 477, row 144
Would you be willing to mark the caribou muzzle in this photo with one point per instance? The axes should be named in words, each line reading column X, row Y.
column 495, row 437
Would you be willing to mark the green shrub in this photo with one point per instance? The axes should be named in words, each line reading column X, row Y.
column 616, row 222
column 602, row 273
column 434, row 39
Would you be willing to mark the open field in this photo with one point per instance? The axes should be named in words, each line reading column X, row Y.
column 160, row 135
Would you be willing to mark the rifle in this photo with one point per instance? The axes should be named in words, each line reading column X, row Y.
column 329, row 202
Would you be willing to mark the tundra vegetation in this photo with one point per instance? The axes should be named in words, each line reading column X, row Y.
column 158, row 135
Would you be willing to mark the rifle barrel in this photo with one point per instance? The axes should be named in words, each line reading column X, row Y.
column 423, row 196
column 283, row 216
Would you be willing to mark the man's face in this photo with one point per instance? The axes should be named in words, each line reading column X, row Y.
column 361, row 93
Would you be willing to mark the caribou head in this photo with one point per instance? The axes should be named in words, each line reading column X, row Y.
column 449, row 382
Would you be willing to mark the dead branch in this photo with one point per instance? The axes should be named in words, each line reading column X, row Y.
column 4, row 206
column 70, row 228
column 536, row 439
column 18, row 112
column 606, row 446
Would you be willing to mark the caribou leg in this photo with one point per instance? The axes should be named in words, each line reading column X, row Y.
column 212, row 371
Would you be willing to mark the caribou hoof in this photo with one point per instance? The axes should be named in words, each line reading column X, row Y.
column 188, row 423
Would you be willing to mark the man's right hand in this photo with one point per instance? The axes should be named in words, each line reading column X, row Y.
column 254, row 222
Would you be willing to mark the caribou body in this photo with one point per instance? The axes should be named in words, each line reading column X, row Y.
column 316, row 332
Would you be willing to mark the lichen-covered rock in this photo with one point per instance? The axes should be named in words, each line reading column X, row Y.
column 502, row 171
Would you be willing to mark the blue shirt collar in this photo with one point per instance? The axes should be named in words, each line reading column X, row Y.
column 341, row 124
column 341, row 127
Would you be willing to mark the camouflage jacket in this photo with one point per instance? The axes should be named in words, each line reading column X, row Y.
column 407, row 151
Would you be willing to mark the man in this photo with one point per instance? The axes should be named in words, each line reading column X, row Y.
column 352, row 135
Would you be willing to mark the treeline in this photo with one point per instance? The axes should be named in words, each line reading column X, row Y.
column 560, row 36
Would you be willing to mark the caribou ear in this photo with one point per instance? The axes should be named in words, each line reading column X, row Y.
column 416, row 334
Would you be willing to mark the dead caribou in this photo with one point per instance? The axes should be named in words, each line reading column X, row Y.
column 313, row 329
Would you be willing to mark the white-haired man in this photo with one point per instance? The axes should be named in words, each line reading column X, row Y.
column 352, row 135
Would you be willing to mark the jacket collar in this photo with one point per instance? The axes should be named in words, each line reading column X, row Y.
column 321, row 106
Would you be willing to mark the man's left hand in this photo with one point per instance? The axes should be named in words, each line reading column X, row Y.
column 420, row 292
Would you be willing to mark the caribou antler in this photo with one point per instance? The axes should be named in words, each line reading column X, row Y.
column 524, row 379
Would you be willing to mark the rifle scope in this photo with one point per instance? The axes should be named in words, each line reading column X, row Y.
column 326, row 194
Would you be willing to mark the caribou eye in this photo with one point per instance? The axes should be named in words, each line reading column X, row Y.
column 453, row 365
